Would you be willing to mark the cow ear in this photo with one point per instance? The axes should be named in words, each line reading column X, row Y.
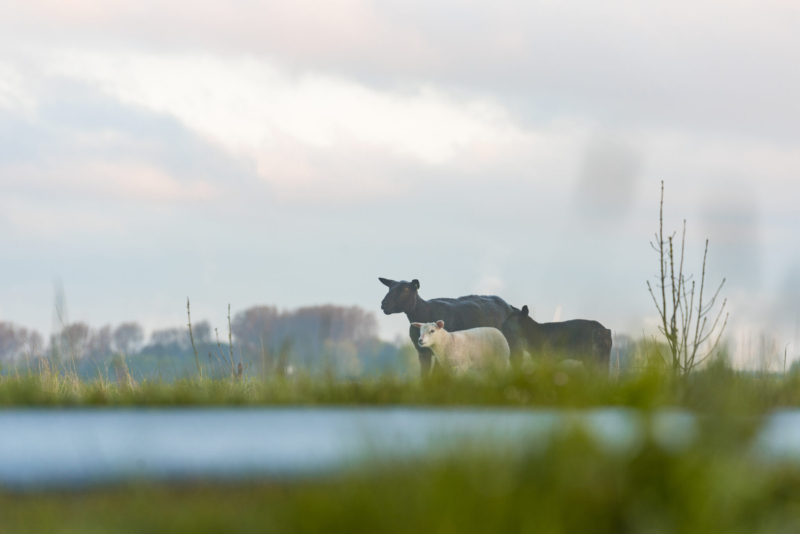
column 439, row 325
column 416, row 325
column 386, row 282
column 525, row 311
column 415, row 283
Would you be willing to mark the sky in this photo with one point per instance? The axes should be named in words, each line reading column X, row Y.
column 290, row 153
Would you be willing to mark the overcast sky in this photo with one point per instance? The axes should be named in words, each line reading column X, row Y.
column 291, row 152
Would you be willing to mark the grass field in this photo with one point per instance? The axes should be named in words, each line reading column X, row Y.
column 716, row 389
column 570, row 485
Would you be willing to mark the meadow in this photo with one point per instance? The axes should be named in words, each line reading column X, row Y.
column 716, row 388
column 571, row 484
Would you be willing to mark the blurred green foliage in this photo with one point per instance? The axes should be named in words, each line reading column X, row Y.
column 570, row 485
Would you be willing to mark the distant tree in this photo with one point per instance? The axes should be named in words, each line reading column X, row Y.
column 35, row 343
column 15, row 340
column 168, row 341
column 79, row 334
column 72, row 341
column 128, row 337
column 100, row 342
column 256, row 332
column 202, row 332
column 316, row 334
column 9, row 342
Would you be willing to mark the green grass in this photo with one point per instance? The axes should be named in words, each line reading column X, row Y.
column 569, row 486
column 716, row 389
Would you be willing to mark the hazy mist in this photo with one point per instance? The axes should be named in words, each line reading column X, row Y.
column 288, row 154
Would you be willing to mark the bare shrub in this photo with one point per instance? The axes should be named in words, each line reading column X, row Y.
column 691, row 338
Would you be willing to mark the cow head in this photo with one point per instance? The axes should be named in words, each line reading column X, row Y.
column 513, row 329
column 402, row 296
column 429, row 332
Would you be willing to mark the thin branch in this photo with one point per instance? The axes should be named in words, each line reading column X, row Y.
column 722, row 330
column 650, row 289
column 721, row 310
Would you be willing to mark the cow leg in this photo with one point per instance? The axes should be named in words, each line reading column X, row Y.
column 516, row 359
column 601, row 346
column 426, row 361
column 426, row 358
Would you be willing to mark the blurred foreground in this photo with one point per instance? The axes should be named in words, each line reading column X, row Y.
column 567, row 481
column 570, row 484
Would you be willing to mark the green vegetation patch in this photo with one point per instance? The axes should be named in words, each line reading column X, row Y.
column 716, row 389
column 567, row 486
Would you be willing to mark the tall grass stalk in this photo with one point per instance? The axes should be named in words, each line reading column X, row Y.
column 230, row 343
column 191, row 338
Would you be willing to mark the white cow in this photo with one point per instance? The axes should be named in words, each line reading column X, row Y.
column 474, row 349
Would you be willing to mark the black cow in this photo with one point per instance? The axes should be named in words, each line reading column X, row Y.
column 462, row 313
column 579, row 339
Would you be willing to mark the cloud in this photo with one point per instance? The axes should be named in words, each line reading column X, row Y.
column 13, row 93
column 78, row 145
column 609, row 177
column 106, row 180
column 489, row 285
column 683, row 63
column 40, row 222
column 253, row 109
column 731, row 221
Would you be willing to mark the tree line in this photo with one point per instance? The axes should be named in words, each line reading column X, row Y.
column 341, row 339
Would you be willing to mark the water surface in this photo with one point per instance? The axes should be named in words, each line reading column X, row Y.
column 72, row 447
